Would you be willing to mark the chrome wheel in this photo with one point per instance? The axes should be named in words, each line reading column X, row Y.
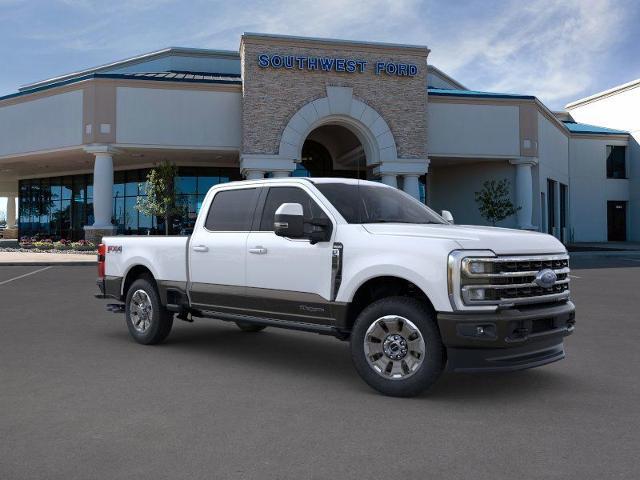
column 140, row 311
column 394, row 347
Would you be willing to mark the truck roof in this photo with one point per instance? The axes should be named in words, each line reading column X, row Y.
column 315, row 180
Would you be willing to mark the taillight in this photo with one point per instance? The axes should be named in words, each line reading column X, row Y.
column 102, row 249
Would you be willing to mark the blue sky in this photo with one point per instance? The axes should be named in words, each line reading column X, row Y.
column 557, row 50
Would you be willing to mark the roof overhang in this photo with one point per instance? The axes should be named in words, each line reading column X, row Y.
column 145, row 57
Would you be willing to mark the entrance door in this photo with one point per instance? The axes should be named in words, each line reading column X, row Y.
column 617, row 221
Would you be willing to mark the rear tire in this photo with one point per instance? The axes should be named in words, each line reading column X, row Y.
column 148, row 321
column 250, row 327
column 396, row 346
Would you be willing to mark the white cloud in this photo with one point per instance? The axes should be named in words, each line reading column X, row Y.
column 545, row 48
column 548, row 48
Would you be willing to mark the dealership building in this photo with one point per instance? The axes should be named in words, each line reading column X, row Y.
column 75, row 149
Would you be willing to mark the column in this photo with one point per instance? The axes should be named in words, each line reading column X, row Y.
column 411, row 185
column 524, row 191
column 253, row 174
column 11, row 212
column 558, row 231
column 102, row 193
column 103, row 190
column 390, row 179
column 280, row 174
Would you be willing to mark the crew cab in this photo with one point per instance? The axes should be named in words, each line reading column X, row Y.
column 361, row 261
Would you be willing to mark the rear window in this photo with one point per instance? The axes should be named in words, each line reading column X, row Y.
column 232, row 210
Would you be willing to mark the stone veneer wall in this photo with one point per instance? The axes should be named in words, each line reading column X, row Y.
column 272, row 96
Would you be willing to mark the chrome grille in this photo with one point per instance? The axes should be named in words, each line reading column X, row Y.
column 512, row 280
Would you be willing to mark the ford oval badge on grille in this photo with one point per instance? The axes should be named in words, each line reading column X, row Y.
column 546, row 278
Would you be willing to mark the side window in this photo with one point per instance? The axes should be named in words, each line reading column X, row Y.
column 279, row 195
column 232, row 210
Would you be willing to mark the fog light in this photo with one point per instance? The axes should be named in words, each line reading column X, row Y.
column 476, row 294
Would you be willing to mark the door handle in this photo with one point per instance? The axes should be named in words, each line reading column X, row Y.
column 200, row 248
column 258, row 250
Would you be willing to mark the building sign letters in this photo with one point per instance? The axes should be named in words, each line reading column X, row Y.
column 333, row 64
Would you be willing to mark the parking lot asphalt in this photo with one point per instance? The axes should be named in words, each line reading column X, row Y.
column 80, row 400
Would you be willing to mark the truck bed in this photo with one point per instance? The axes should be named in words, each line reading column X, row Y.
column 165, row 257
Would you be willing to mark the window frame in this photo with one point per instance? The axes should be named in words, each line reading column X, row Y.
column 256, row 227
column 226, row 190
column 608, row 150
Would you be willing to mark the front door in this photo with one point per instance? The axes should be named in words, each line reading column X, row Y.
column 218, row 251
column 288, row 278
column 617, row 221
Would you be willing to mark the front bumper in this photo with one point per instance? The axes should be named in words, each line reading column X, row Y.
column 510, row 339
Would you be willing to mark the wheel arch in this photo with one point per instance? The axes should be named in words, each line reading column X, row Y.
column 133, row 273
column 382, row 286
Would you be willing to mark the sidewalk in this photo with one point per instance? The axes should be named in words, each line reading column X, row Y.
column 37, row 259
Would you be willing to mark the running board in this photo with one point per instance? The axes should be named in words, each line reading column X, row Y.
column 273, row 322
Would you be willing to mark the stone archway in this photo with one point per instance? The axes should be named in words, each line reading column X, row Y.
column 339, row 107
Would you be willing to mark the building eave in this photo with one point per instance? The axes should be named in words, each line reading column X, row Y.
column 605, row 93
column 132, row 61
column 448, row 78
column 117, row 76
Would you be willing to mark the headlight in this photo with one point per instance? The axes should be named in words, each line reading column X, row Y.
column 466, row 267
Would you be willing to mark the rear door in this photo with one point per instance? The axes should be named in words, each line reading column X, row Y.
column 218, row 250
column 617, row 221
column 289, row 278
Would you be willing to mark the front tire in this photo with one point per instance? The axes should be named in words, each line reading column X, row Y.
column 396, row 346
column 148, row 321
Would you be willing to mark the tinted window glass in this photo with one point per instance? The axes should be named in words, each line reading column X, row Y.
column 279, row 195
column 616, row 167
column 376, row 204
column 232, row 210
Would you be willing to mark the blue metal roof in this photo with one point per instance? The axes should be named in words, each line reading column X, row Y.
column 445, row 92
column 575, row 127
column 188, row 77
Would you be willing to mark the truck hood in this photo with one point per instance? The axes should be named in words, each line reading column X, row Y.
column 502, row 241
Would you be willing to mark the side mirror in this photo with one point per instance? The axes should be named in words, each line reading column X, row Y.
column 446, row 214
column 288, row 221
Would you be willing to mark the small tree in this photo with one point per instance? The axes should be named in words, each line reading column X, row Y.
column 494, row 201
column 161, row 199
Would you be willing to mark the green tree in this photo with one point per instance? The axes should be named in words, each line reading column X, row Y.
column 494, row 201
column 161, row 199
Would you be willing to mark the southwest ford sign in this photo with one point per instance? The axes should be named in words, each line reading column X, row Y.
column 334, row 64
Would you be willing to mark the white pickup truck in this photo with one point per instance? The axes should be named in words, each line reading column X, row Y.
column 358, row 260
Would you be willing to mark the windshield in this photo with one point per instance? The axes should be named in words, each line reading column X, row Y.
column 376, row 204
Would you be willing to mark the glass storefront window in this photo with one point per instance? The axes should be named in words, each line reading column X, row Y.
column 59, row 207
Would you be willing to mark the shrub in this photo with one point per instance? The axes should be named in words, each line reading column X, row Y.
column 43, row 245
column 83, row 245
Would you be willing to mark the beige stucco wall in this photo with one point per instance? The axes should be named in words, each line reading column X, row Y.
column 453, row 188
column 50, row 122
column 473, row 129
column 178, row 117
column 272, row 96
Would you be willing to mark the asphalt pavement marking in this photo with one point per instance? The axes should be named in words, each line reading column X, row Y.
column 25, row 275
